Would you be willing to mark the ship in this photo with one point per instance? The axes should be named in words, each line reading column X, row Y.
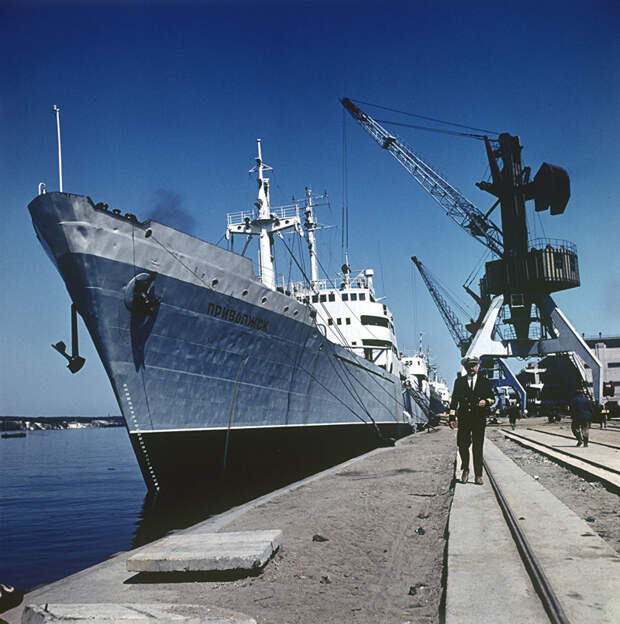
column 219, row 368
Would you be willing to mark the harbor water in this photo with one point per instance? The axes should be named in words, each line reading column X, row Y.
column 71, row 498
column 68, row 499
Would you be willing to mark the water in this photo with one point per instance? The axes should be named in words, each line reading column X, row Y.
column 71, row 498
column 68, row 499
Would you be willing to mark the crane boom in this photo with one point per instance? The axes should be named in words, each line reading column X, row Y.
column 500, row 374
column 460, row 335
column 454, row 204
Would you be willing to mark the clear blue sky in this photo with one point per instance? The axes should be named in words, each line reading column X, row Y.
column 167, row 100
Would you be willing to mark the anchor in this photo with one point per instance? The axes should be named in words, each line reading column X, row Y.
column 75, row 360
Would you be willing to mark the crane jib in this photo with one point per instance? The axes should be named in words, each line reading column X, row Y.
column 356, row 112
column 455, row 205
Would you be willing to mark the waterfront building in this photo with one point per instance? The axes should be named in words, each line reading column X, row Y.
column 607, row 350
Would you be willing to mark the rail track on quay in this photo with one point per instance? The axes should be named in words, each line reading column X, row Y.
column 614, row 444
column 518, row 554
column 549, row 600
column 599, row 461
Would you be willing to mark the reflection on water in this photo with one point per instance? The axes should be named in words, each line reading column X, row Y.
column 70, row 499
column 163, row 512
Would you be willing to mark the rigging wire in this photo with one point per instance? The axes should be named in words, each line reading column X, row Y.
column 469, row 135
column 448, row 123
column 449, row 295
column 414, row 298
column 345, row 344
column 345, row 189
column 288, row 279
column 349, row 374
column 336, row 328
column 477, row 268
column 346, row 304
column 335, row 396
column 285, row 350
column 540, row 222
column 354, row 395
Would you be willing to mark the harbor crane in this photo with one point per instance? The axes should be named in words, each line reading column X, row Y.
column 520, row 280
column 457, row 330
column 453, row 202
column 462, row 334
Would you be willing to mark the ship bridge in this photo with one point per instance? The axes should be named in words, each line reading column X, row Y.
column 349, row 314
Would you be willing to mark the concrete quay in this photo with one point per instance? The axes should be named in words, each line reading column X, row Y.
column 600, row 460
column 362, row 542
column 485, row 574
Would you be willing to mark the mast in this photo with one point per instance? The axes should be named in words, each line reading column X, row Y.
column 268, row 222
column 310, row 225
column 265, row 249
column 56, row 110
column 346, row 271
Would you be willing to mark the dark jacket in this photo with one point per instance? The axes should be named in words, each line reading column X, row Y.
column 464, row 403
column 514, row 411
column 580, row 408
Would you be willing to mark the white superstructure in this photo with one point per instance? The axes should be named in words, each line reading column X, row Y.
column 348, row 314
column 415, row 369
column 346, row 308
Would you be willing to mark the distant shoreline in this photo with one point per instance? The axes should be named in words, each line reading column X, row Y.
column 43, row 423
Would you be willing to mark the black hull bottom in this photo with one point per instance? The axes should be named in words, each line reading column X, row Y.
column 258, row 460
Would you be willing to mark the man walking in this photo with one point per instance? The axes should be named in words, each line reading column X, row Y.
column 581, row 416
column 472, row 396
column 514, row 412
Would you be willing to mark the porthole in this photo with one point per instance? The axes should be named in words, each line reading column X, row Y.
column 286, row 308
column 263, row 300
column 214, row 283
column 244, row 293
column 295, row 312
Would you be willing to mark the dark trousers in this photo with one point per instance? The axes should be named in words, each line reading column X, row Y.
column 581, row 430
column 471, row 433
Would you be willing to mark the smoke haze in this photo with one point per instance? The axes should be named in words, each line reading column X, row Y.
column 167, row 208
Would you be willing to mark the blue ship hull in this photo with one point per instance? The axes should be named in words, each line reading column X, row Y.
column 219, row 373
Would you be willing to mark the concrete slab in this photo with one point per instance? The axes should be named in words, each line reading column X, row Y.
column 128, row 614
column 486, row 582
column 207, row 552
column 582, row 569
column 266, row 597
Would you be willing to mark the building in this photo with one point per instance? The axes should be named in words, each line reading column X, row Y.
column 551, row 381
column 607, row 350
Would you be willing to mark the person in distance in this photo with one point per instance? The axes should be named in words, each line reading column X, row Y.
column 581, row 416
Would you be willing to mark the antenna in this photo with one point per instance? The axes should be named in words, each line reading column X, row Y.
column 56, row 109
